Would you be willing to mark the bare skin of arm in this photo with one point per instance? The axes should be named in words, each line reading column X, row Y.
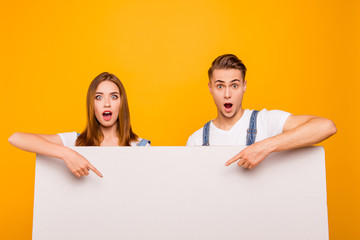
column 298, row 131
column 51, row 145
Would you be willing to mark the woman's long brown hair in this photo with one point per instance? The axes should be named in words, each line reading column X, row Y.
column 92, row 135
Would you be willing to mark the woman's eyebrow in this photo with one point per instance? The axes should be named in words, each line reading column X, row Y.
column 110, row 93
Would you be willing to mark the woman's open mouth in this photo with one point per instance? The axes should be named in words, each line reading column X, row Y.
column 107, row 115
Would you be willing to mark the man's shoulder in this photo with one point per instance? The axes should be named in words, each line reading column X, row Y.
column 196, row 138
column 271, row 122
column 266, row 115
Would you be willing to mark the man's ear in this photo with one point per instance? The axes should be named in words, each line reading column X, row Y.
column 245, row 85
column 209, row 85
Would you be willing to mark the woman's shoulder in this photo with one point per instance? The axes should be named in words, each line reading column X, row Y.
column 68, row 138
column 140, row 142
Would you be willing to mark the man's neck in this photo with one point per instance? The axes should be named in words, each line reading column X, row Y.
column 226, row 123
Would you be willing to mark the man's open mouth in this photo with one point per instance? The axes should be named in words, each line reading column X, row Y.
column 228, row 105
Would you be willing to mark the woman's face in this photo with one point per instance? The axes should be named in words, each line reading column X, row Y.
column 107, row 103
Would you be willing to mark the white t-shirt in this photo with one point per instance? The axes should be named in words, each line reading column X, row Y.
column 269, row 123
column 69, row 139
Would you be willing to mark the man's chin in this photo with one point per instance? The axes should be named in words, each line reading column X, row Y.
column 228, row 115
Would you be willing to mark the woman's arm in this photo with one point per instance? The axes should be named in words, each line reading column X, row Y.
column 51, row 145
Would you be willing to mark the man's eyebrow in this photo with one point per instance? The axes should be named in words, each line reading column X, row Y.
column 221, row 81
column 235, row 80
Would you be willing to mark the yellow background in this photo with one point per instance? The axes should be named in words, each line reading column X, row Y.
column 302, row 57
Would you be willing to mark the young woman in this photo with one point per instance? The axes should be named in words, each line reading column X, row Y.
column 108, row 124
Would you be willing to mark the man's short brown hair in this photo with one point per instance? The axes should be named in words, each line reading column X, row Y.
column 227, row 61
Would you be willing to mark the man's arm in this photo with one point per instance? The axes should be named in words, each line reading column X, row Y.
column 298, row 131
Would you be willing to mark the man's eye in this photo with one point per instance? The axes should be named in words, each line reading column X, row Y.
column 114, row 97
column 98, row 97
column 219, row 86
column 235, row 86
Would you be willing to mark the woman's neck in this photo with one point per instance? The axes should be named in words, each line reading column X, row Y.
column 110, row 136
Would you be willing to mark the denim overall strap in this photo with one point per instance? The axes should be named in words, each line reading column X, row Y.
column 251, row 132
column 206, row 134
column 143, row 143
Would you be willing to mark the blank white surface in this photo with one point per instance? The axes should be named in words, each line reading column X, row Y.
column 182, row 193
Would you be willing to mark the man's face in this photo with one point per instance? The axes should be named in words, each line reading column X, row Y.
column 227, row 87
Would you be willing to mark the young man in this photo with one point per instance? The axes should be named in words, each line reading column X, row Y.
column 263, row 132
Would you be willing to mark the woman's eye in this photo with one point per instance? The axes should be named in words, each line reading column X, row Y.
column 98, row 97
column 114, row 97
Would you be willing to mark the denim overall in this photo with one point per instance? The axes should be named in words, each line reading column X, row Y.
column 251, row 132
column 142, row 142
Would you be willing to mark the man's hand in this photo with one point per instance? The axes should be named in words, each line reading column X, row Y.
column 298, row 131
column 250, row 156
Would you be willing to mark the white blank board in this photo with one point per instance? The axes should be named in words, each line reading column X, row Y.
column 171, row 193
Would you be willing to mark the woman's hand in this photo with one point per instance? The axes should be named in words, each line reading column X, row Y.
column 52, row 146
column 77, row 164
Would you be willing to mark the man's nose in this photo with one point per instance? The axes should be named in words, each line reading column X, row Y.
column 227, row 93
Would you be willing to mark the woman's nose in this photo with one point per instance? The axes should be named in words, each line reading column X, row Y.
column 107, row 102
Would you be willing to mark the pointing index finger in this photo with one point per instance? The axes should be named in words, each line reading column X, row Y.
column 233, row 159
column 95, row 170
